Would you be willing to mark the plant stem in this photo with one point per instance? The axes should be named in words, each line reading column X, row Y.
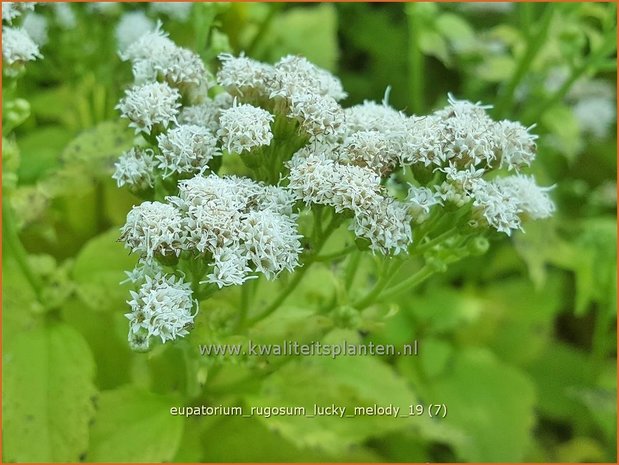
column 385, row 278
column 415, row 60
column 535, row 41
column 608, row 47
column 332, row 256
column 408, row 283
column 14, row 245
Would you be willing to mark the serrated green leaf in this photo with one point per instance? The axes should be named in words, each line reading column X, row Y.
column 132, row 425
column 47, row 395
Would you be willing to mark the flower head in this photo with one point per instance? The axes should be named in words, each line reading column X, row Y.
column 135, row 169
column 207, row 113
column 18, row 47
column 244, row 127
column 186, row 149
column 242, row 76
column 132, row 26
column 154, row 228
column 162, row 307
column 150, row 105
column 36, row 27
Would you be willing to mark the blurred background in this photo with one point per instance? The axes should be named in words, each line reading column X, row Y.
column 519, row 343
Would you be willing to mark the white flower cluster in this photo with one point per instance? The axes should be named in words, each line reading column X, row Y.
column 319, row 179
column 162, row 307
column 135, row 169
column 154, row 56
column 244, row 127
column 149, row 106
column 21, row 44
column 293, row 86
column 186, row 149
column 131, row 26
column 244, row 226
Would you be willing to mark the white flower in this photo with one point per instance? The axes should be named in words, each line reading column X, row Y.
column 207, row 113
column 372, row 116
column 373, row 149
column 533, row 200
column 420, row 201
column 295, row 75
column 316, row 178
column 596, row 115
column 17, row 46
column 154, row 55
column 517, row 145
column 132, row 26
column 11, row 10
column 240, row 223
column 65, row 16
column 320, row 116
column 385, row 222
column 321, row 180
column 135, row 169
column 497, row 206
column 230, row 267
column 186, row 149
column 178, row 11
column 271, row 242
column 468, row 135
column 150, row 105
column 244, row 127
column 424, row 142
column 242, row 76
column 162, row 307
column 104, row 8
column 154, row 228
column 36, row 27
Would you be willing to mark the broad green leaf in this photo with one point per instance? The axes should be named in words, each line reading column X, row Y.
column 47, row 395
column 350, row 382
column 133, row 425
column 490, row 403
column 247, row 440
column 99, row 269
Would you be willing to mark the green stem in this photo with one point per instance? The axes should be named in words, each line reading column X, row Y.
column 15, row 246
column 432, row 242
column 335, row 255
column 386, row 276
column 408, row 283
column 607, row 48
column 415, row 60
column 535, row 41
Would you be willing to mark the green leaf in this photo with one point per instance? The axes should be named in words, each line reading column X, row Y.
column 132, row 425
column 99, row 269
column 490, row 403
column 48, row 395
column 345, row 381
column 247, row 440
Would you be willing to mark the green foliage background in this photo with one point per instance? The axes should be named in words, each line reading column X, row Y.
column 519, row 343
